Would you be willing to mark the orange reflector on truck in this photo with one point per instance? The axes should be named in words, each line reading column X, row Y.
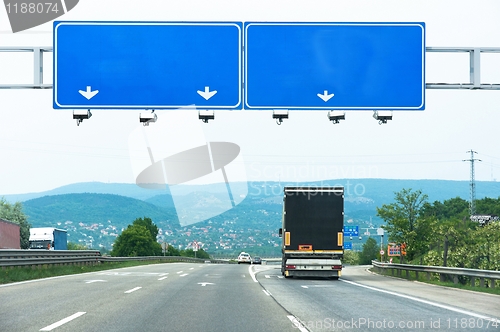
column 287, row 238
column 340, row 239
column 305, row 247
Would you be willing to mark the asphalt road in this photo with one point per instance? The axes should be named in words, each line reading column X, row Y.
column 363, row 301
column 213, row 297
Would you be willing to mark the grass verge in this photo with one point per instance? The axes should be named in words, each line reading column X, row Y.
column 22, row 273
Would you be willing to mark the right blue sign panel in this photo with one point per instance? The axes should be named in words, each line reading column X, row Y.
column 348, row 66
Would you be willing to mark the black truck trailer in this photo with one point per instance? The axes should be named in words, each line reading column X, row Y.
column 312, row 232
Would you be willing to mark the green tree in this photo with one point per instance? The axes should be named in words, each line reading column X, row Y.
column 14, row 212
column 351, row 257
column 369, row 252
column 406, row 222
column 148, row 223
column 172, row 251
column 454, row 207
column 76, row 246
column 136, row 240
column 199, row 254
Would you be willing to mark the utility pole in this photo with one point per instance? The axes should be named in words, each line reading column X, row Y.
column 472, row 203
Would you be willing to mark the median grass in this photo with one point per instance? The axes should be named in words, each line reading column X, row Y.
column 22, row 273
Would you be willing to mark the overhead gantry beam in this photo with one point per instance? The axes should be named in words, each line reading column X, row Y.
column 473, row 84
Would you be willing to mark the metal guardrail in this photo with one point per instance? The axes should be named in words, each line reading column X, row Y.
column 15, row 257
column 454, row 272
column 162, row 258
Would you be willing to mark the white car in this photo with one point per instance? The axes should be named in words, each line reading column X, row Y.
column 244, row 258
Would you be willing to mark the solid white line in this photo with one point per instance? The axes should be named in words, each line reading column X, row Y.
column 132, row 290
column 63, row 321
column 297, row 324
column 443, row 306
column 252, row 274
column 163, row 278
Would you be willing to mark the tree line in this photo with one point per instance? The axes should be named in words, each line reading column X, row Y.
column 441, row 233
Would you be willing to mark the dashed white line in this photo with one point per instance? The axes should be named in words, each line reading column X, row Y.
column 180, row 272
column 266, row 292
column 63, row 321
column 297, row 324
column 163, row 274
column 163, row 278
column 183, row 275
column 92, row 281
column 191, row 268
column 132, row 290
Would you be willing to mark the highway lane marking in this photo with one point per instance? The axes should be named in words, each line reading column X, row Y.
column 443, row 306
column 297, row 324
column 115, row 273
column 179, row 272
column 203, row 284
column 266, row 292
column 132, row 290
column 92, row 281
column 163, row 274
column 163, row 278
column 63, row 321
column 252, row 273
column 191, row 268
column 183, row 275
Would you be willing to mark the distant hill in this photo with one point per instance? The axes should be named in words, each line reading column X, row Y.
column 89, row 217
column 123, row 189
column 95, row 213
column 91, row 208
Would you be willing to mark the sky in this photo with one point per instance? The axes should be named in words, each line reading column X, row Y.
column 42, row 148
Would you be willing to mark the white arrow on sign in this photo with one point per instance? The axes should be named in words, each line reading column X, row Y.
column 207, row 94
column 88, row 93
column 325, row 96
column 203, row 284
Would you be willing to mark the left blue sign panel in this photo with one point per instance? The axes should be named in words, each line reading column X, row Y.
column 153, row 65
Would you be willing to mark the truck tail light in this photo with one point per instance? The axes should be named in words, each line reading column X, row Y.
column 291, row 267
column 336, row 267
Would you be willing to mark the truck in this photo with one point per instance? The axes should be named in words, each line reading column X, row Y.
column 48, row 238
column 312, row 232
column 10, row 235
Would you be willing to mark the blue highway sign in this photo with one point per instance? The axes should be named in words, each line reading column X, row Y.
column 348, row 245
column 347, row 66
column 351, row 230
column 148, row 65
